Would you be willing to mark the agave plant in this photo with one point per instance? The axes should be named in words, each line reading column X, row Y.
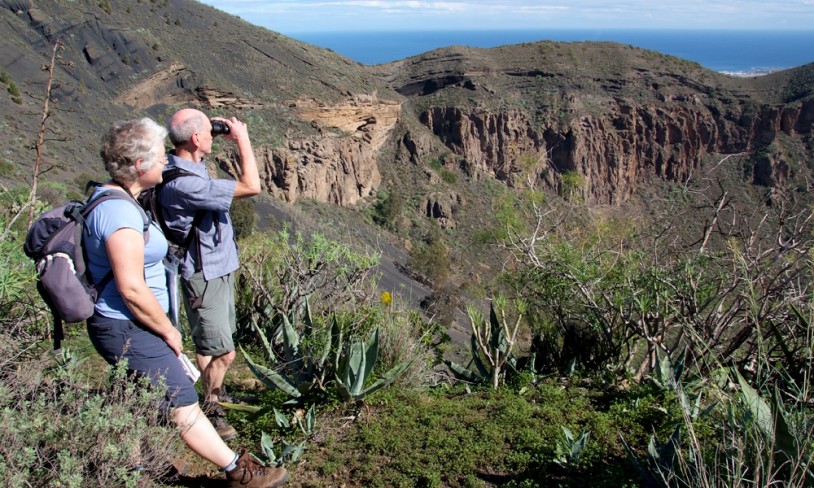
column 491, row 343
column 301, row 418
column 300, row 373
column 765, row 445
column 288, row 454
column 305, row 374
column 569, row 450
column 355, row 366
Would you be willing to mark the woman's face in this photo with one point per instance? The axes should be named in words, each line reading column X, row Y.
column 153, row 176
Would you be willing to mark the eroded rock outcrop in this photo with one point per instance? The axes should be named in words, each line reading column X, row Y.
column 169, row 86
column 616, row 149
column 442, row 207
column 341, row 165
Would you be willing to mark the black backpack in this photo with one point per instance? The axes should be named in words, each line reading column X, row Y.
column 178, row 242
column 54, row 242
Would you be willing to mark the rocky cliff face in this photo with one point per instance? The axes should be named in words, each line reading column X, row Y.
column 614, row 115
column 340, row 165
column 616, row 149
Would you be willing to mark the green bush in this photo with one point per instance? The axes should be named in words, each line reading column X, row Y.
column 244, row 217
column 6, row 168
column 449, row 177
column 431, row 257
column 58, row 426
column 21, row 308
column 388, row 208
column 16, row 96
column 449, row 437
column 280, row 270
column 56, row 429
column 307, row 338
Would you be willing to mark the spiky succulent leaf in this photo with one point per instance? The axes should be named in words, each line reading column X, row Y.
column 240, row 407
column 263, row 339
column 678, row 366
column 496, row 337
column 291, row 340
column 267, row 445
column 271, row 378
column 760, row 410
column 464, row 373
column 280, row 419
column 569, row 436
column 387, row 378
column 354, row 368
column 292, row 452
column 333, row 339
column 784, row 440
column 307, row 318
column 371, row 354
column 476, row 357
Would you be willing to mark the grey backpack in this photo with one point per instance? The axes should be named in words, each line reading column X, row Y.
column 54, row 242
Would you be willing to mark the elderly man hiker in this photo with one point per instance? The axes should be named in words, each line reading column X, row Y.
column 197, row 206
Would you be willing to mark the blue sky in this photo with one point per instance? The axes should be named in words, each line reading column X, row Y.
column 289, row 16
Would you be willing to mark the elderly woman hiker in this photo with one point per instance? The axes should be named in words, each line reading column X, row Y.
column 130, row 318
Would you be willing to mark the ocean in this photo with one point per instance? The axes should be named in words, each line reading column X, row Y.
column 735, row 52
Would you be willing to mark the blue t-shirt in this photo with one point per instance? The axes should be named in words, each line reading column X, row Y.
column 102, row 222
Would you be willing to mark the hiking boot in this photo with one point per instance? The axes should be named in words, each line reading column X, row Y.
column 226, row 397
column 217, row 417
column 250, row 473
column 178, row 467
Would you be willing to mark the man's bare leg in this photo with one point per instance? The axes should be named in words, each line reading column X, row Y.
column 213, row 370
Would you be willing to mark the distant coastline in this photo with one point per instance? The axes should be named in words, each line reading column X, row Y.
column 739, row 53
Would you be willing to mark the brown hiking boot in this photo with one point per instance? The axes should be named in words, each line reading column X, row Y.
column 217, row 417
column 250, row 473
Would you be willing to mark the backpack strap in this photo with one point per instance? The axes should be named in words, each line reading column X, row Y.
column 194, row 232
column 81, row 216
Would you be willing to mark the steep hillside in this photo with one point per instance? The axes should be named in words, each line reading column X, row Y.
column 615, row 115
column 447, row 131
column 305, row 105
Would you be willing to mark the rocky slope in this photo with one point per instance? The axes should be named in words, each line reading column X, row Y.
column 614, row 115
column 317, row 119
column 594, row 121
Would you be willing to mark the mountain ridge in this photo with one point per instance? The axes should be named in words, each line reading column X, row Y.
column 594, row 122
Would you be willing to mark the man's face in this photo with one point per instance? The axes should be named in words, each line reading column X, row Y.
column 205, row 137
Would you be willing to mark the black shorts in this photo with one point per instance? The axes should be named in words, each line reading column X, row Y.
column 147, row 355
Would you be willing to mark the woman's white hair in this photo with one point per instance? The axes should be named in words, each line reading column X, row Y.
column 126, row 143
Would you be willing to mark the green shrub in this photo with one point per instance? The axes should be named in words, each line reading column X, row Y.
column 58, row 430
column 431, row 257
column 21, row 308
column 449, row 437
column 280, row 270
column 16, row 96
column 6, row 167
column 106, row 6
column 448, row 177
column 244, row 217
column 388, row 208
column 572, row 186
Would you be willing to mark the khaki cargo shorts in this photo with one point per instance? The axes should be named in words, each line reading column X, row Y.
column 210, row 307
